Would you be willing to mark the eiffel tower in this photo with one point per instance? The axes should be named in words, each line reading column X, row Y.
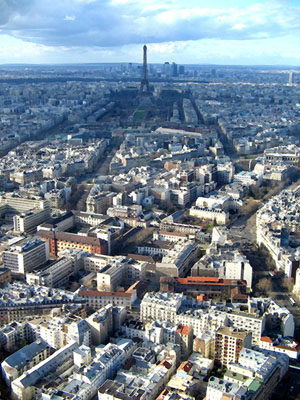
column 145, row 83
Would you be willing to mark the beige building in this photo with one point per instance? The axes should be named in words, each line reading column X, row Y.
column 96, row 299
column 99, row 203
column 211, row 214
column 23, row 204
column 229, row 343
column 5, row 276
column 178, row 261
column 104, row 322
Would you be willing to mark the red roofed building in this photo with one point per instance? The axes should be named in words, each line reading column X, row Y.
column 286, row 345
column 96, row 299
column 210, row 286
column 59, row 241
column 184, row 337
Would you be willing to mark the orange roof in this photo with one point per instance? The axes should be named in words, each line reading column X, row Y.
column 179, row 234
column 132, row 287
column 103, row 294
column 205, row 280
column 140, row 257
column 266, row 339
column 162, row 395
column 183, row 330
column 281, row 346
column 182, row 365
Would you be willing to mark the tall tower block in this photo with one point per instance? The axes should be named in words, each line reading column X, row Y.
column 145, row 82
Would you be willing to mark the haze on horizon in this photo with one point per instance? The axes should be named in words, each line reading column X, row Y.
column 231, row 32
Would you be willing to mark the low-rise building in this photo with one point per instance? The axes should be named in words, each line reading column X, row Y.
column 218, row 215
column 279, row 344
column 96, row 299
column 211, row 286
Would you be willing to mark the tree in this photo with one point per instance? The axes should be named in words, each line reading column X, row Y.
column 250, row 207
column 23, row 343
column 170, row 208
column 264, row 285
column 288, row 283
column 74, row 286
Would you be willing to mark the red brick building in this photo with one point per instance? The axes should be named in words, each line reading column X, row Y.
column 65, row 240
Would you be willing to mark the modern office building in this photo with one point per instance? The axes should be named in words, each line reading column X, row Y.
column 25, row 255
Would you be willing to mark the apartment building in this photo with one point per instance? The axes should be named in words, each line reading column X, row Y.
column 249, row 322
column 97, row 299
column 229, row 343
column 258, row 372
column 86, row 379
column 28, row 385
column 176, row 309
column 104, row 322
column 170, row 236
column 16, row 203
column 223, row 260
column 219, row 389
column 120, row 272
column 5, row 276
column 172, row 227
column 13, row 334
column 178, row 261
column 22, row 360
column 92, row 219
column 279, row 344
column 283, row 155
column 145, row 382
column 160, row 306
column 98, row 201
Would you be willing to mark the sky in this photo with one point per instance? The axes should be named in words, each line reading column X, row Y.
column 230, row 32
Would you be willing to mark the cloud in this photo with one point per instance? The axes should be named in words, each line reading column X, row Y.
column 10, row 8
column 109, row 23
column 69, row 18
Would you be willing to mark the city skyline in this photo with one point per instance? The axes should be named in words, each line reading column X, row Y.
column 90, row 31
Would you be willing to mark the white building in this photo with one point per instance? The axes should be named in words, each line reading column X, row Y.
column 25, row 255
column 26, row 386
column 24, row 359
column 160, row 306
